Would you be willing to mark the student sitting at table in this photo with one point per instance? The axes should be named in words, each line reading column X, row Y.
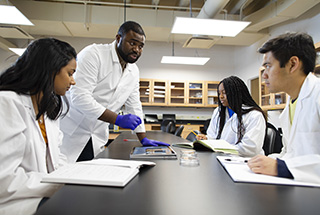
column 238, row 119
column 30, row 100
column 289, row 61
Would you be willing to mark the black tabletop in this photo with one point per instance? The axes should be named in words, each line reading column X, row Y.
column 169, row 188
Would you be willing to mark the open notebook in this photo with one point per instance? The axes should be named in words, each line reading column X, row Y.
column 214, row 145
column 104, row 172
column 239, row 171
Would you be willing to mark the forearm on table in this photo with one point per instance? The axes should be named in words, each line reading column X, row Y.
column 141, row 135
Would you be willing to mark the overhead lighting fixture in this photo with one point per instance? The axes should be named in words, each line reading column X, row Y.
column 11, row 15
column 18, row 51
column 228, row 28
column 185, row 60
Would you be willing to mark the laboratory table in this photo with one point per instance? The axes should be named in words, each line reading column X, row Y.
column 169, row 188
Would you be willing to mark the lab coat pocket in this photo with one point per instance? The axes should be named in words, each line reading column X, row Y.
column 74, row 118
column 307, row 143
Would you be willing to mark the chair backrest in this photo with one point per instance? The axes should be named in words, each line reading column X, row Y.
column 168, row 125
column 169, row 116
column 272, row 140
column 179, row 131
column 205, row 126
column 191, row 136
column 164, row 124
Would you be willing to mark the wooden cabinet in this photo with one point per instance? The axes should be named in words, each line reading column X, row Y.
column 145, row 96
column 159, row 93
column 177, row 93
column 211, row 94
column 270, row 101
column 195, row 93
column 153, row 92
column 317, row 68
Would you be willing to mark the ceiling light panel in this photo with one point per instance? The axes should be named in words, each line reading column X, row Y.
column 11, row 15
column 227, row 28
column 184, row 60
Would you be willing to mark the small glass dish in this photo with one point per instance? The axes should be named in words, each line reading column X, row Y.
column 189, row 157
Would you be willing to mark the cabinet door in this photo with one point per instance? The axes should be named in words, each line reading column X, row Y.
column 145, row 93
column 177, row 93
column 211, row 94
column 159, row 94
column 195, row 93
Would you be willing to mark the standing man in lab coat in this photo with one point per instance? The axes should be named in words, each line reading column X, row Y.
column 289, row 61
column 107, row 78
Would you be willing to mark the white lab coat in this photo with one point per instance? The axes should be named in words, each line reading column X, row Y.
column 100, row 84
column 253, row 138
column 301, row 140
column 23, row 155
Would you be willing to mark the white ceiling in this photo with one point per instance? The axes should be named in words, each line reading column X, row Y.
column 101, row 19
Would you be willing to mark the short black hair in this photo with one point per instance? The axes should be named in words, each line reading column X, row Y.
column 130, row 26
column 291, row 44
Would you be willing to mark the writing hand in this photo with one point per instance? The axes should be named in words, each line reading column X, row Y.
column 128, row 121
column 201, row 137
column 263, row 165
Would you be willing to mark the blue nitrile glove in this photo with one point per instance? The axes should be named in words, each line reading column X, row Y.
column 128, row 121
column 146, row 142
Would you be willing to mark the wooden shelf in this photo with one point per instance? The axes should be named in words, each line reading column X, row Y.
column 178, row 93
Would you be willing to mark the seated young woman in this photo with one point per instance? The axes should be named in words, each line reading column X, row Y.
column 238, row 119
column 31, row 93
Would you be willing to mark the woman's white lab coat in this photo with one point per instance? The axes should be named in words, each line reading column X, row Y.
column 301, row 140
column 23, row 155
column 101, row 84
column 252, row 140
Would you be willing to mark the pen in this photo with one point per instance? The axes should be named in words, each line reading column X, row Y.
column 194, row 133
column 236, row 161
column 130, row 140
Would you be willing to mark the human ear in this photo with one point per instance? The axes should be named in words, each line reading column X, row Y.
column 294, row 64
column 118, row 38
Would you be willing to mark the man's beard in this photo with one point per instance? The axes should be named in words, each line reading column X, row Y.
column 126, row 57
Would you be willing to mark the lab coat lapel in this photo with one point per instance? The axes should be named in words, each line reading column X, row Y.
column 52, row 132
column 123, row 79
column 38, row 147
column 285, row 121
column 229, row 120
column 122, row 87
column 305, row 91
column 27, row 102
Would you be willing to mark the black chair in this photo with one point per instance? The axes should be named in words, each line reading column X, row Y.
column 205, row 126
column 272, row 140
column 191, row 136
column 169, row 129
column 179, row 131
